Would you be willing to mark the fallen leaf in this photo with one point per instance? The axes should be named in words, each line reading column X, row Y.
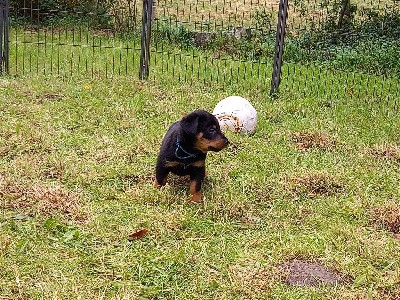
column 139, row 234
column 139, row 86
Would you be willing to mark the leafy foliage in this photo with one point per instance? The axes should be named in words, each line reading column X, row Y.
column 166, row 30
column 59, row 12
column 370, row 45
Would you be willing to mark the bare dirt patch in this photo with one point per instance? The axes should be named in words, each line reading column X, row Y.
column 314, row 184
column 40, row 200
column 386, row 152
column 388, row 217
column 305, row 273
column 305, row 140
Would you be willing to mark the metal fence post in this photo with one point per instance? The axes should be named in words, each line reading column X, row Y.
column 280, row 37
column 146, row 35
column 4, row 30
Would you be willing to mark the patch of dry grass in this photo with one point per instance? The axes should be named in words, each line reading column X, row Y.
column 305, row 140
column 388, row 216
column 40, row 200
column 313, row 185
column 388, row 152
column 252, row 280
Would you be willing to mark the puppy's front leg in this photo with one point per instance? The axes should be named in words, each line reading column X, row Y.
column 196, row 180
column 161, row 176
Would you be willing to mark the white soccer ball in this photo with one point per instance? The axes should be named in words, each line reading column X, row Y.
column 237, row 114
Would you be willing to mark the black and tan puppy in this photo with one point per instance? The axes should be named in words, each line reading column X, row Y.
column 184, row 149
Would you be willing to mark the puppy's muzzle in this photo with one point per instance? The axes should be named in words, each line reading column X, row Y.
column 219, row 144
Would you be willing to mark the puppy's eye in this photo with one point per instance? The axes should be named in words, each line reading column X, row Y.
column 212, row 130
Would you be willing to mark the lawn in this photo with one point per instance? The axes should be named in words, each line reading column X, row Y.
column 318, row 182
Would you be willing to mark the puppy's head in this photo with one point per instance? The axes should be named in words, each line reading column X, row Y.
column 204, row 129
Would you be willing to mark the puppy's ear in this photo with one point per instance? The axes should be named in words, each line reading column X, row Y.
column 190, row 123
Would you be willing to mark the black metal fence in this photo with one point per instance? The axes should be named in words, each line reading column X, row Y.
column 341, row 49
column 333, row 49
column 66, row 40
column 218, row 42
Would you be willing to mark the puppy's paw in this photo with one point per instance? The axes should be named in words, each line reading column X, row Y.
column 196, row 198
column 156, row 184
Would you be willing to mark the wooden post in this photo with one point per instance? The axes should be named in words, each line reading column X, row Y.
column 280, row 37
column 4, row 31
column 147, row 14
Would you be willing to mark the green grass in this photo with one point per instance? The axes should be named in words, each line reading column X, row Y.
column 76, row 161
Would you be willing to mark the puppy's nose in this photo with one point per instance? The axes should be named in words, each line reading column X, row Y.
column 226, row 141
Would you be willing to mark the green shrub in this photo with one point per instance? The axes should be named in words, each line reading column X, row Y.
column 173, row 33
column 371, row 45
column 61, row 12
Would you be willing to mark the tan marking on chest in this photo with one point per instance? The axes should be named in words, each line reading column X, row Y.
column 199, row 163
column 173, row 164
